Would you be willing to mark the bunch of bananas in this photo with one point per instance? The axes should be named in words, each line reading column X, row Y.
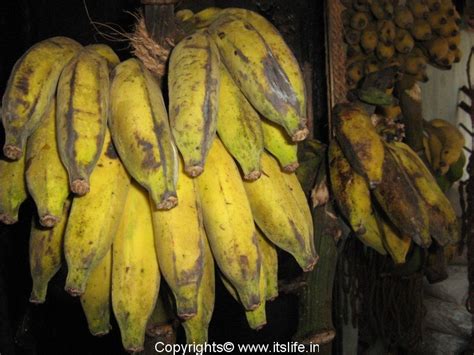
column 89, row 138
column 384, row 190
column 409, row 34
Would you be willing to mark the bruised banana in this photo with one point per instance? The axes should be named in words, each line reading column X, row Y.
column 140, row 131
column 95, row 301
column 442, row 218
column 261, row 74
column 45, row 252
column 193, row 83
column 30, row 88
column 279, row 144
column 196, row 328
column 94, row 218
column 280, row 215
column 229, row 225
column 135, row 272
column 239, row 127
column 179, row 243
column 353, row 198
column 46, row 177
column 401, row 202
column 13, row 189
column 81, row 116
column 360, row 142
column 270, row 265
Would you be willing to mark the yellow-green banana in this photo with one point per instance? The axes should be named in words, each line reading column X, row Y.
column 31, row 86
column 279, row 144
column 140, row 131
column 397, row 245
column 229, row 224
column 94, row 218
column 46, row 177
column 269, row 264
column 239, row 127
column 13, row 189
column 135, row 272
column 193, row 83
column 281, row 216
column 81, row 116
column 106, row 52
column 96, row 299
column 179, row 242
column 45, row 251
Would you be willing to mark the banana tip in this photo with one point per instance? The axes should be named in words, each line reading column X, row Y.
column 49, row 221
column 101, row 333
column 80, row 187
column 73, row 291
column 134, row 349
column 260, row 326
column 12, row 152
column 186, row 315
column 291, row 168
column 7, row 219
column 310, row 266
column 253, row 175
column 36, row 300
column 194, row 171
column 167, row 204
column 300, row 135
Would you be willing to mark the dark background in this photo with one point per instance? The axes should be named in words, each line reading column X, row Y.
column 59, row 326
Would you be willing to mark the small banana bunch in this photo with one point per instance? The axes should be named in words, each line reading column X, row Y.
column 410, row 35
column 384, row 190
column 127, row 195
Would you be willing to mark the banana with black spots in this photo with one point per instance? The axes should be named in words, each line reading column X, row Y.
column 14, row 190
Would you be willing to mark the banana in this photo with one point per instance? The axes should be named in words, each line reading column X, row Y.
column 184, row 15
column 395, row 244
column 46, row 177
column 353, row 198
column 196, row 327
column 421, row 30
column 135, row 271
column 31, row 86
column 351, row 36
column 204, row 18
column 404, row 42
column 450, row 29
column 360, row 142
column 457, row 55
column 371, row 65
column 194, row 97
column 418, row 8
column 442, row 218
column 369, row 40
column 454, row 41
column 426, row 149
column 385, row 52
column 355, row 71
column 81, row 116
column 95, row 301
column 414, row 64
column 94, row 218
column 269, row 265
column 437, row 20
column 281, row 214
column 265, row 70
column 239, row 127
column 386, row 31
column 435, row 148
column 377, row 9
column 45, row 252
column 279, row 144
column 437, row 48
column 359, row 21
column 229, row 224
column 433, row 5
column 403, row 17
column 397, row 196
column 105, row 51
column 140, row 131
column 179, row 244
column 13, row 191
column 162, row 317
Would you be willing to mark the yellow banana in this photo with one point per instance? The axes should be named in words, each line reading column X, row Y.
column 81, row 116
column 204, row 18
column 135, row 272
column 96, row 299
column 184, row 15
column 45, row 251
column 196, row 327
column 106, row 52
column 396, row 245
column 261, row 72
column 360, row 142
column 140, row 131
column 94, row 218
column 179, row 243
column 269, row 264
column 279, row 144
column 280, row 215
column 229, row 224
column 30, row 88
column 193, row 83
column 46, row 177
column 239, row 127
column 403, row 17
column 353, row 198
column 13, row 189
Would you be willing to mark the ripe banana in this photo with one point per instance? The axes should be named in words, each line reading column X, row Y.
column 263, row 76
column 105, row 51
column 421, row 30
column 81, row 116
column 418, row 8
column 239, row 127
column 386, row 31
column 179, row 244
column 204, row 18
column 46, row 177
column 13, row 191
column 403, row 17
column 404, row 42
column 269, row 264
column 94, row 218
column 353, row 198
column 135, row 272
column 30, row 88
column 45, row 251
column 396, row 245
column 281, row 214
column 194, row 97
column 184, row 15
column 359, row 21
column 278, row 143
column 360, row 142
column 229, row 225
column 369, row 40
column 141, row 133
column 95, row 301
